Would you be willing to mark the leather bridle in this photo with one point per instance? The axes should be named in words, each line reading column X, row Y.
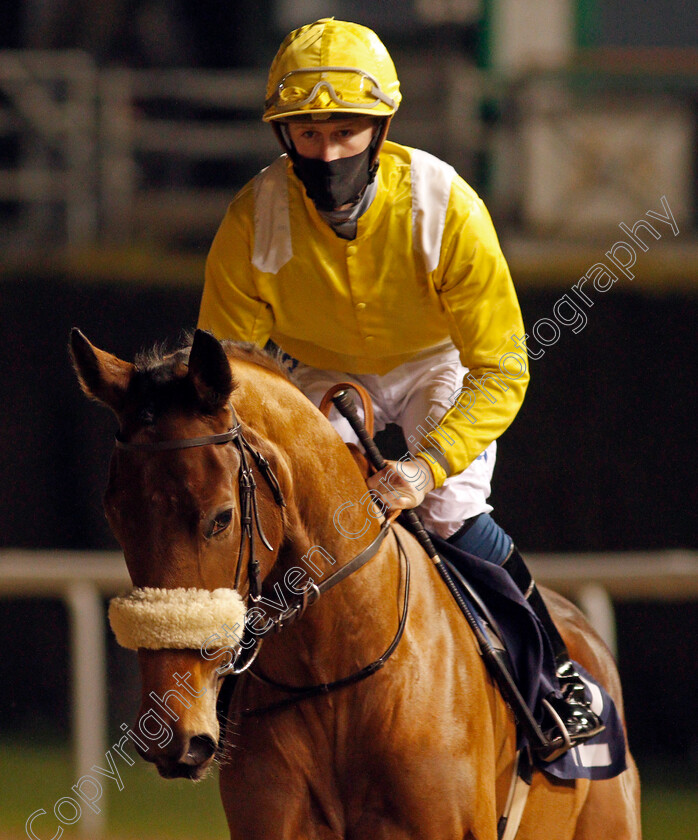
column 249, row 520
column 249, row 510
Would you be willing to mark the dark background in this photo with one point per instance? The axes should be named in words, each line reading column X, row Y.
column 211, row 33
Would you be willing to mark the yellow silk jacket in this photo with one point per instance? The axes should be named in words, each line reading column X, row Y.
column 425, row 268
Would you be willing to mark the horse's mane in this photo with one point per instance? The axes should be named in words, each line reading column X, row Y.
column 268, row 358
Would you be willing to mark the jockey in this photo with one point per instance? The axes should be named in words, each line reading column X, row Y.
column 370, row 262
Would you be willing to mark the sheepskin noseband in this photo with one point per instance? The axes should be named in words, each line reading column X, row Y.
column 174, row 618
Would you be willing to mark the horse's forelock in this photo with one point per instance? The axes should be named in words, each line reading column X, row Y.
column 160, row 382
column 161, row 361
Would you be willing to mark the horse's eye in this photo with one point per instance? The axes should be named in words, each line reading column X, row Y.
column 219, row 522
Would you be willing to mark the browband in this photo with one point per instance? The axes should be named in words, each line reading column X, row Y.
column 161, row 445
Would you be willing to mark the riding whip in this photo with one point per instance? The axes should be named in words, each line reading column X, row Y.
column 493, row 658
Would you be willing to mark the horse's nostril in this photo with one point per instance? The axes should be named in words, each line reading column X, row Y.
column 201, row 748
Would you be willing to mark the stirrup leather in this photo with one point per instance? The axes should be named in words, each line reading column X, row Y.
column 571, row 716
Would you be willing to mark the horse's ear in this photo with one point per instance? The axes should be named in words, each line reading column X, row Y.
column 101, row 375
column 209, row 371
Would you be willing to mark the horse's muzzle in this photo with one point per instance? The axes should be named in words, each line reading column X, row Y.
column 177, row 728
column 193, row 763
column 184, row 758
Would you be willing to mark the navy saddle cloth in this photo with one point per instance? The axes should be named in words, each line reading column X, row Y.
column 601, row 757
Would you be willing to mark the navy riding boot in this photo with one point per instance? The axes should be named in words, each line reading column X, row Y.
column 572, row 720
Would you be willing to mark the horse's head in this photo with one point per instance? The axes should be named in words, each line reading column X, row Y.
column 173, row 502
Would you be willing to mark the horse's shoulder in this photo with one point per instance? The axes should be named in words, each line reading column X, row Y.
column 360, row 459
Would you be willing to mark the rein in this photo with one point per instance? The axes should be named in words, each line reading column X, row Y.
column 306, row 692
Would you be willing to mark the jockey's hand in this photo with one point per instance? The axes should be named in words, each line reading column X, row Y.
column 402, row 484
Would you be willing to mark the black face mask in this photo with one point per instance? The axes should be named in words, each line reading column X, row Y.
column 332, row 184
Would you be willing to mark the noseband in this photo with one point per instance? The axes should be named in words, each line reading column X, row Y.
column 249, row 511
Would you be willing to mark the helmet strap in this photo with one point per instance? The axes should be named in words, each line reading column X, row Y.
column 378, row 140
column 280, row 132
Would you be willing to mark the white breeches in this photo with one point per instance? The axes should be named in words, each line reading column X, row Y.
column 406, row 396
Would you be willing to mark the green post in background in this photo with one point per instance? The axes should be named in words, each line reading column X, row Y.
column 484, row 39
column 587, row 23
column 489, row 107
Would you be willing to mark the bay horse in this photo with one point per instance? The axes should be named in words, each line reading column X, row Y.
column 423, row 749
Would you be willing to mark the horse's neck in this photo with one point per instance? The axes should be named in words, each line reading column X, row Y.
column 327, row 492
column 348, row 626
column 325, row 505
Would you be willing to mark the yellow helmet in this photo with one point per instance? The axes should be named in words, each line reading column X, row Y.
column 331, row 66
